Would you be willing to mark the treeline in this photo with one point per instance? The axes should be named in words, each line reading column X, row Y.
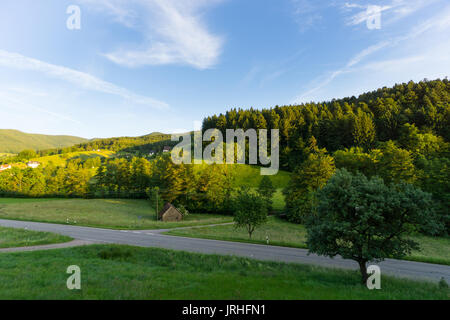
column 201, row 188
column 374, row 117
column 143, row 144
column 72, row 180
column 427, row 167
column 400, row 134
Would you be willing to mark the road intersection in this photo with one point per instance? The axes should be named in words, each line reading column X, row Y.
column 154, row 238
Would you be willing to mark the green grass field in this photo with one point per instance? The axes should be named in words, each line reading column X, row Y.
column 10, row 238
column 106, row 213
column 278, row 201
column 283, row 233
column 122, row 272
column 61, row 159
column 250, row 176
column 6, row 155
column 280, row 232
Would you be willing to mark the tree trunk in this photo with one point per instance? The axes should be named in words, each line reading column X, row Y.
column 363, row 271
column 250, row 231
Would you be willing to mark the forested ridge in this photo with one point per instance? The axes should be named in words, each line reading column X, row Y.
column 397, row 136
column 14, row 141
column 363, row 121
column 143, row 144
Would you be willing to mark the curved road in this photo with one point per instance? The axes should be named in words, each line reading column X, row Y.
column 153, row 238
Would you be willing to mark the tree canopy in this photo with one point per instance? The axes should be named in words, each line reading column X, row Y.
column 366, row 220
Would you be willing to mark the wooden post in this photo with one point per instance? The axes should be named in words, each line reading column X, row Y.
column 157, row 211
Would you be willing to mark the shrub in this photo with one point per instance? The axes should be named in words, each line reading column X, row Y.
column 115, row 253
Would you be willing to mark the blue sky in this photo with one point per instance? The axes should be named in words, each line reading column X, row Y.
column 138, row 66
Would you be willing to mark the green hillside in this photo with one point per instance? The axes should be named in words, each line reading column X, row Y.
column 14, row 141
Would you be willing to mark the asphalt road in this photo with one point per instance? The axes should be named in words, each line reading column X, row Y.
column 153, row 238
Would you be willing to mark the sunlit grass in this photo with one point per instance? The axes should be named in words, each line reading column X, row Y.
column 283, row 233
column 10, row 237
column 122, row 272
column 107, row 213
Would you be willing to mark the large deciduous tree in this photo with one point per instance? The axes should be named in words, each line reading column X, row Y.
column 250, row 210
column 365, row 220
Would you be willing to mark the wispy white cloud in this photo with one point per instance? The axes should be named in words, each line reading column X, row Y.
column 268, row 72
column 437, row 24
column 367, row 52
column 307, row 13
column 173, row 32
column 391, row 64
column 250, row 75
column 117, row 9
column 353, row 5
column 80, row 79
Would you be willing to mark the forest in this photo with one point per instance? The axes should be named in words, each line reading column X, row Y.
column 364, row 122
column 399, row 135
column 138, row 145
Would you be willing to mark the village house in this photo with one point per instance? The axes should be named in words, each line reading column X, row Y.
column 151, row 153
column 5, row 167
column 33, row 164
column 166, row 149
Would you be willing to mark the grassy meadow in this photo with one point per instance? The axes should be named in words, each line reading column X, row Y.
column 61, row 159
column 11, row 238
column 250, row 176
column 123, row 272
column 283, row 233
column 6, row 155
column 103, row 213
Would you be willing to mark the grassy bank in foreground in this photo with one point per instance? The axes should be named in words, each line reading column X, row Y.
column 103, row 213
column 283, row 233
column 10, row 237
column 122, row 272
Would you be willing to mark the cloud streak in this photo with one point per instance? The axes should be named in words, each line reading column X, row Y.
column 439, row 23
column 78, row 78
column 173, row 32
column 307, row 13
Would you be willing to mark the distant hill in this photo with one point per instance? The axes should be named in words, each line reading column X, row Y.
column 14, row 141
column 137, row 145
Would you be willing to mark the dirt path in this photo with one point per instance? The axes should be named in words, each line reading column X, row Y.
column 74, row 243
column 159, row 231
